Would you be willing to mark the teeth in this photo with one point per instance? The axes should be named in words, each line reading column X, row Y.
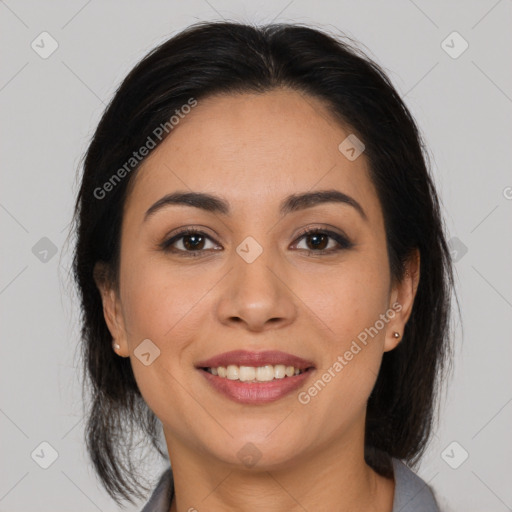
column 255, row 374
column 247, row 373
column 232, row 372
column 265, row 373
column 279, row 371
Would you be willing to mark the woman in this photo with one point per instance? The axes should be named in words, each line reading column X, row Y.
column 263, row 271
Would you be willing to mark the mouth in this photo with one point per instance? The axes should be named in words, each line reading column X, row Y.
column 252, row 374
column 255, row 377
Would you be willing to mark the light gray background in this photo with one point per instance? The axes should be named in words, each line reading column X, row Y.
column 50, row 108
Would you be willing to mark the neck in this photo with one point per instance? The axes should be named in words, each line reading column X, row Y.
column 334, row 477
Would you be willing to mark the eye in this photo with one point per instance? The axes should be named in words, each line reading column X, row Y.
column 190, row 241
column 317, row 240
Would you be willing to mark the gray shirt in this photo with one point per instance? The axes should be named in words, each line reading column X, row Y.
column 412, row 494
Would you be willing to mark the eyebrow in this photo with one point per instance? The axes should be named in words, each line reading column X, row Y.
column 292, row 203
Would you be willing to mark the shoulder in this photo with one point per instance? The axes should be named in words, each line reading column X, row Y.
column 161, row 497
column 412, row 494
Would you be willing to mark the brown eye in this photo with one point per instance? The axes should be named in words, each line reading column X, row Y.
column 193, row 242
column 188, row 241
column 317, row 240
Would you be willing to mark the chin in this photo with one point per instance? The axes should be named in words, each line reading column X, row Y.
column 258, row 452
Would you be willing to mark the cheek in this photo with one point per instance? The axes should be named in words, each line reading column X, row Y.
column 347, row 304
column 164, row 306
column 158, row 301
column 347, row 299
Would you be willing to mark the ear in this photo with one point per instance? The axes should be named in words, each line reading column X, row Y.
column 402, row 300
column 112, row 311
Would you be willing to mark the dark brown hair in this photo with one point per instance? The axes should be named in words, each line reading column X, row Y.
column 222, row 58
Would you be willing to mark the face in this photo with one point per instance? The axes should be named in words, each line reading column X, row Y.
column 250, row 279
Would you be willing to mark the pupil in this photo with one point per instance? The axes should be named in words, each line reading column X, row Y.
column 197, row 239
column 316, row 237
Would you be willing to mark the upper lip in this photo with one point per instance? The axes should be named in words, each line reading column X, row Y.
column 247, row 358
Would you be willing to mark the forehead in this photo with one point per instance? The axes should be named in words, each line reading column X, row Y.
column 253, row 147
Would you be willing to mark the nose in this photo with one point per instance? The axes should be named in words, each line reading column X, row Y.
column 257, row 295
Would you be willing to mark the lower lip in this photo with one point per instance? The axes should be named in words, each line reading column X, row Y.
column 256, row 392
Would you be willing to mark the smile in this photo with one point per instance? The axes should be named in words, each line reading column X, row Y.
column 255, row 373
column 250, row 377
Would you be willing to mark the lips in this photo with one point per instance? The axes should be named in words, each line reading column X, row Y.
column 253, row 392
column 255, row 359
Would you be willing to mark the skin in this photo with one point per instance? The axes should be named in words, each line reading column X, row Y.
column 254, row 150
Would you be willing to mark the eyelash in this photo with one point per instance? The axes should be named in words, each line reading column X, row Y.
column 343, row 242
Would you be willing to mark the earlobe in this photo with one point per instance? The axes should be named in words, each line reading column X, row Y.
column 402, row 301
column 111, row 308
column 393, row 338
